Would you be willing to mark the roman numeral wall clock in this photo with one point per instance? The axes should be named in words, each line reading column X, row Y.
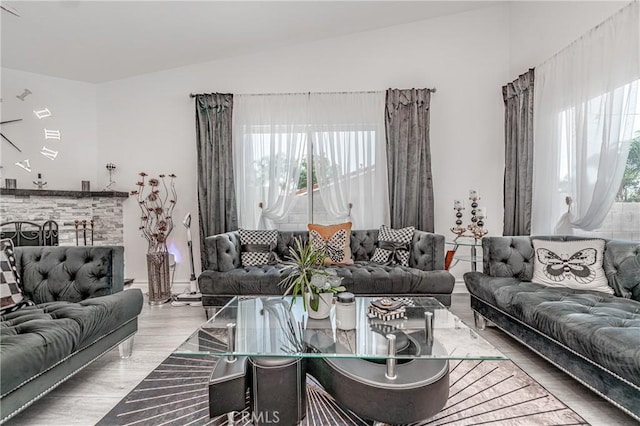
column 29, row 133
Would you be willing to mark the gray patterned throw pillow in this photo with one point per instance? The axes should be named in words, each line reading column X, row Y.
column 11, row 297
column 394, row 246
column 257, row 247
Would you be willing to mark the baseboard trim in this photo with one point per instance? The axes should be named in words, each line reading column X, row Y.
column 178, row 287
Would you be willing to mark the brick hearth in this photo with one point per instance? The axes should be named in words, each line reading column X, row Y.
column 105, row 208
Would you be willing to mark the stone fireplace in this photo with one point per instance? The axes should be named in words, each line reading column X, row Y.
column 65, row 207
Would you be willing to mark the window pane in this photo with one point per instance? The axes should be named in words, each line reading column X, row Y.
column 276, row 167
column 623, row 220
column 345, row 167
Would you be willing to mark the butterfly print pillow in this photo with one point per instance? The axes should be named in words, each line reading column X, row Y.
column 335, row 240
column 573, row 264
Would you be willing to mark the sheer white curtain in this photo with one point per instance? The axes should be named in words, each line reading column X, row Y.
column 270, row 140
column 585, row 101
column 349, row 155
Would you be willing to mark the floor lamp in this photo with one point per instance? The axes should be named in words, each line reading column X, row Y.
column 193, row 297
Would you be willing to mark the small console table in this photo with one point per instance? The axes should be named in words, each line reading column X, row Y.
column 473, row 245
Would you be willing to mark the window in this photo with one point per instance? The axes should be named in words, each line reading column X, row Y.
column 310, row 159
column 585, row 108
column 623, row 220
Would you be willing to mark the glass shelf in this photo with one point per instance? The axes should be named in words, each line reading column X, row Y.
column 267, row 326
column 465, row 241
column 473, row 245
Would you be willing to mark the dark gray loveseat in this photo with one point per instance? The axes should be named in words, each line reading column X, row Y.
column 224, row 276
column 81, row 313
column 592, row 336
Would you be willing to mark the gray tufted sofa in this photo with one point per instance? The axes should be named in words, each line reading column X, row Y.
column 224, row 275
column 81, row 313
column 592, row 336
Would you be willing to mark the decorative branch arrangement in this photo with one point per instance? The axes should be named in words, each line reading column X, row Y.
column 156, row 206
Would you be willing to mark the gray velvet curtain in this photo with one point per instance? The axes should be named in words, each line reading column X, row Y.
column 216, row 191
column 518, row 170
column 409, row 158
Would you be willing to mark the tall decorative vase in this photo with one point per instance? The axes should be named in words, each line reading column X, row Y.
column 324, row 306
column 159, row 278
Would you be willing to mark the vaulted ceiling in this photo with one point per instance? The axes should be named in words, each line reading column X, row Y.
column 98, row 41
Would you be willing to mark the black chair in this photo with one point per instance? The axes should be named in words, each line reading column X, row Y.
column 24, row 233
column 50, row 233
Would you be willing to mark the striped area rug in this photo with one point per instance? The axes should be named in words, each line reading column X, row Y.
column 482, row 392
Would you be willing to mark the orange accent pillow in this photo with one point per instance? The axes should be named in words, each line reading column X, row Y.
column 335, row 239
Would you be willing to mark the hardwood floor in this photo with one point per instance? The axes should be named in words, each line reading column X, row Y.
column 90, row 394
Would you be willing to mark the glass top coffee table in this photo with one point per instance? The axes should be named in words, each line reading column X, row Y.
column 262, row 341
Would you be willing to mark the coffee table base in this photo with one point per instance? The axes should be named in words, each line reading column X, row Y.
column 228, row 386
column 419, row 391
column 278, row 388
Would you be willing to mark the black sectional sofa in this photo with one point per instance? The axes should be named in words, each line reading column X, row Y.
column 81, row 312
column 224, row 276
column 592, row 336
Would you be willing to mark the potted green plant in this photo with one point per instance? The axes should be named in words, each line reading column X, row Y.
column 306, row 278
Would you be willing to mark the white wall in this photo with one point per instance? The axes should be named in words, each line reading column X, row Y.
column 73, row 108
column 146, row 123
column 540, row 29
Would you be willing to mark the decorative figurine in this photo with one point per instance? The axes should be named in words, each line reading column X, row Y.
column 39, row 183
column 110, row 167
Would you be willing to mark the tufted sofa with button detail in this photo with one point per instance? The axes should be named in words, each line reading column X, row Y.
column 592, row 336
column 80, row 313
column 224, row 276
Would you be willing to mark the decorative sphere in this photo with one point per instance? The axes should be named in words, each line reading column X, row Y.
column 458, row 214
column 474, row 219
column 458, row 222
column 473, row 212
column 480, row 223
column 474, row 204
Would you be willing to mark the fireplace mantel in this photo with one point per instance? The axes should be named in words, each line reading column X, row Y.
column 67, row 208
column 60, row 193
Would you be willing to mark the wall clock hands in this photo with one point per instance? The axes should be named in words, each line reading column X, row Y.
column 10, row 121
column 6, row 138
column 12, row 144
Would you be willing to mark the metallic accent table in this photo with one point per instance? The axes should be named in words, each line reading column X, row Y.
column 472, row 243
column 394, row 371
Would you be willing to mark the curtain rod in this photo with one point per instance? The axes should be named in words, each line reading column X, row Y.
column 193, row 95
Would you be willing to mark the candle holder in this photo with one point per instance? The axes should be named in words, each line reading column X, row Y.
column 476, row 228
column 40, row 184
column 110, row 167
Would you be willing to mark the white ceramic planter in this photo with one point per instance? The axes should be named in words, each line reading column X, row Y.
column 324, row 306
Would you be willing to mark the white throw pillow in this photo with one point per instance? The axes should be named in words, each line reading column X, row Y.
column 572, row 264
